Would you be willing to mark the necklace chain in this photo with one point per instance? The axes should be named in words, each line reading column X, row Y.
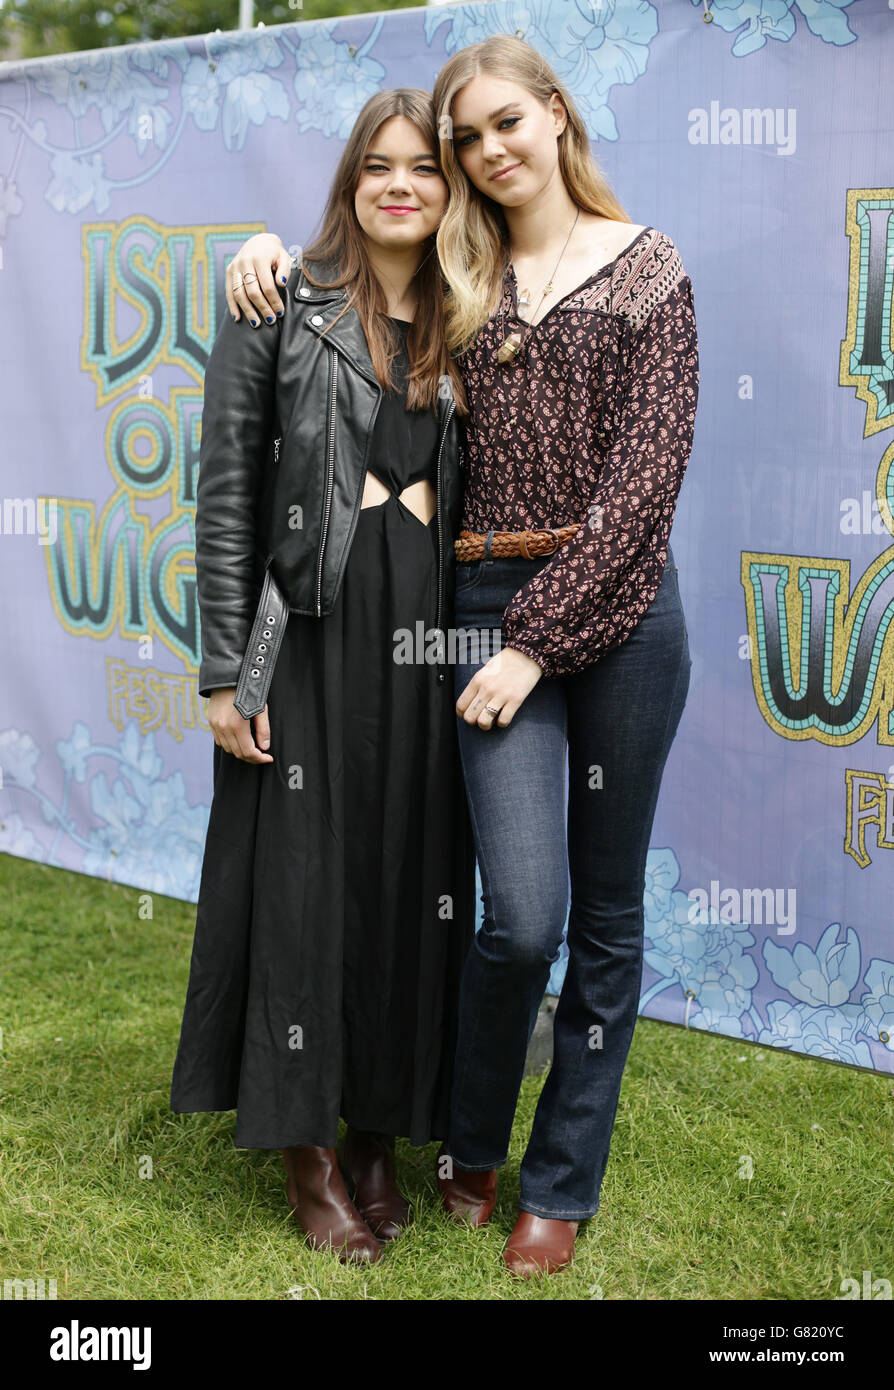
column 511, row 345
column 549, row 284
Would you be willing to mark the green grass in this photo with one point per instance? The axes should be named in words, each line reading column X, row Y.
column 90, row 1011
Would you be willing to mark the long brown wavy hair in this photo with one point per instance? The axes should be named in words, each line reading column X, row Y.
column 341, row 240
column 473, row 240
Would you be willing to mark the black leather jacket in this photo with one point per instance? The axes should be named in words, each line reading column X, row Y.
column 286, row 431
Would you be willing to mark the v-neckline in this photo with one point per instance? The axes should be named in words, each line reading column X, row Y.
column 513, row 283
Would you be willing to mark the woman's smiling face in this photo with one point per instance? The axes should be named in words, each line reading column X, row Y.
column 401, row 194
column 504, row 140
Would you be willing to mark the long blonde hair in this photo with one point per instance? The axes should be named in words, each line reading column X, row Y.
column 341, row 240
column 473, row 239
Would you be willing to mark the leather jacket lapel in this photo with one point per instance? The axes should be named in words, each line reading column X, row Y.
column 347, row 335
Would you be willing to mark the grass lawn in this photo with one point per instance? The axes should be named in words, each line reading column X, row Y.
column 90, row 1004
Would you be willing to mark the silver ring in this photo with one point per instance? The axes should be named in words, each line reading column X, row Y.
column 491, row 710
column 237, row 284
column 250, row 276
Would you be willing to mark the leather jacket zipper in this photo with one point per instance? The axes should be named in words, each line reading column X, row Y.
column 330, row 478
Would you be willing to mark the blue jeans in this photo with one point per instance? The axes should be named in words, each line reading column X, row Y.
column 615, row 721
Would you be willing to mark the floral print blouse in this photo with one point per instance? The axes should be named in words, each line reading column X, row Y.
column 591, row 423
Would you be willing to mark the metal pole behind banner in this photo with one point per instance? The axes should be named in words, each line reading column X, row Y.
column 246, row 14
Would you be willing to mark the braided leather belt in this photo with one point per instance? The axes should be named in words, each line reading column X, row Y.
column 472, row 545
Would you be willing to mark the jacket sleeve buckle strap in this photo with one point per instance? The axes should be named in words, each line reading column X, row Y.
column 264, row 643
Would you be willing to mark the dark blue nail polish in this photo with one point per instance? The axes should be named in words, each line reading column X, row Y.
column 254, row 323
column 269, row 318
column 235, row 318
column 279, row 313
column 283, row 278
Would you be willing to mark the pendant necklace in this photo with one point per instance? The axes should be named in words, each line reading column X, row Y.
column 510, row 346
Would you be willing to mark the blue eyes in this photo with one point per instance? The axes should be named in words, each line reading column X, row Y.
column 511, row 120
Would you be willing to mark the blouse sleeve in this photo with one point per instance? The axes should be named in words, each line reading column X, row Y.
column 594, row 591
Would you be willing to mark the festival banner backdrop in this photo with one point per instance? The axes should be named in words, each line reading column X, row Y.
column 761, row 142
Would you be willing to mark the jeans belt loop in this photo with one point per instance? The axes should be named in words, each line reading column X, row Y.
column 488, row 543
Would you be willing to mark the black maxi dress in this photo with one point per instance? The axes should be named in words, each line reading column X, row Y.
column 337, row 895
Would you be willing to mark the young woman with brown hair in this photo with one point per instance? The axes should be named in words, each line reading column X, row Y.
column 337, row 894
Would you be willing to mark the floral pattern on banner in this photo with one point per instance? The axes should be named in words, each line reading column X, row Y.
column 147, row 94
column 227, row 83
column 145, row 833
column 713, row 970
column 754, row 22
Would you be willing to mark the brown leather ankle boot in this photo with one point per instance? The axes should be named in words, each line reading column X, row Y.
column 322, row 1208
column 539, row 1245
column 467, row 1195
column 367, row 1163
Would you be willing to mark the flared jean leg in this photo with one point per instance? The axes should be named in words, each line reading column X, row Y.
column 518, row 824
column 619, row 716
column 622, row 716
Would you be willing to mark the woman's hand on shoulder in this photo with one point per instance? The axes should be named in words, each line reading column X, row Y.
column 267, row 264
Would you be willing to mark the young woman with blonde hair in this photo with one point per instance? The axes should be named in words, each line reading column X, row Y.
column 578, row 350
